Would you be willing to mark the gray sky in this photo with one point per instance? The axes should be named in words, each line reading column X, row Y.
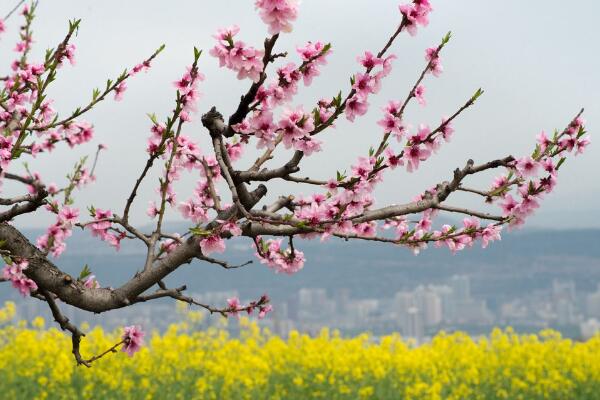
column 536, row 60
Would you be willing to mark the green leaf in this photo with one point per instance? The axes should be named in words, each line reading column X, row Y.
column 536, row 152
column 85, row 272
column 446, row 38
column 475, row 96
column 197, row 231
column 301, row 225
column 560, row 162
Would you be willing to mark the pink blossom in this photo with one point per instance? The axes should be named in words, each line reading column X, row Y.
column 212, row 244
column 369, row 61
column 264, row 311
column 231, row 227
column 91, row 282
column 133, row 339
column 152, row 211
column 582, row 144
column 233, row 306
column 364, row 84
column 270, row 253
column 413, row 155
column 170, row 244
column 432, row 56
column 227, row 34
column 119, row 90
column 543, row 141
column 234, row 151
column 509, row 205
column 419, row 94
column 193, row 211
column 313, row 55
column 14, row 273
column 295, row 125
column 393, row 160
column 278, row 14
column 446, row 129
column 245, row 60
column 527, row 167
column 415, row 14
column 356, row 105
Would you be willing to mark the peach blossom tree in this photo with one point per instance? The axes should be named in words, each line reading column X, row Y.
column 268, row 119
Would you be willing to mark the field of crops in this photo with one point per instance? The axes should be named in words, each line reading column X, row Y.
column 36, row 363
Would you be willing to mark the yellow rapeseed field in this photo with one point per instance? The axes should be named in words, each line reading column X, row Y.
column 184, row 363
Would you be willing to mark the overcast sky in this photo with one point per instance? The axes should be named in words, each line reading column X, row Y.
column 537, row 61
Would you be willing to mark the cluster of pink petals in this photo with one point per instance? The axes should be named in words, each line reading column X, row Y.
column 14, row 273
column 214, row 243
column 416, row 14
column 537, row 174
column 186, row 155
column 419, row 145
column 433, row 57
column 102, row 228
column 295, row 127
column 278, row 14
column 234, row 306
column 91, row 282
column 235, row 55
column 187, row 86
column 274, row 256
column 197, row 209
column 313, row 55
column 21, row 95
column 459, row 239
column 133, row 340
column 169, row 245
column 367, row 83
column 53, row 241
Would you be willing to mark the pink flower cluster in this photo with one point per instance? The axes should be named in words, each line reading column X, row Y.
column 188, row 90
column 245, row 60
column 419, row 146
column 455, row 239
column 187, row 156
column 53, row 241
column 278, row 14
column 367, row 83
column 432, row 56
column 102, row 227
column 14, row 273
column 91, row 282
column 234, row 306
column 133, row 339
column 274, row 256
column 416, row 14
column 181, row 153
column 214, row 243
column 294, row 125
column 530, row 186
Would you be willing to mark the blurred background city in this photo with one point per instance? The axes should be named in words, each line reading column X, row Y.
column 531, row 280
